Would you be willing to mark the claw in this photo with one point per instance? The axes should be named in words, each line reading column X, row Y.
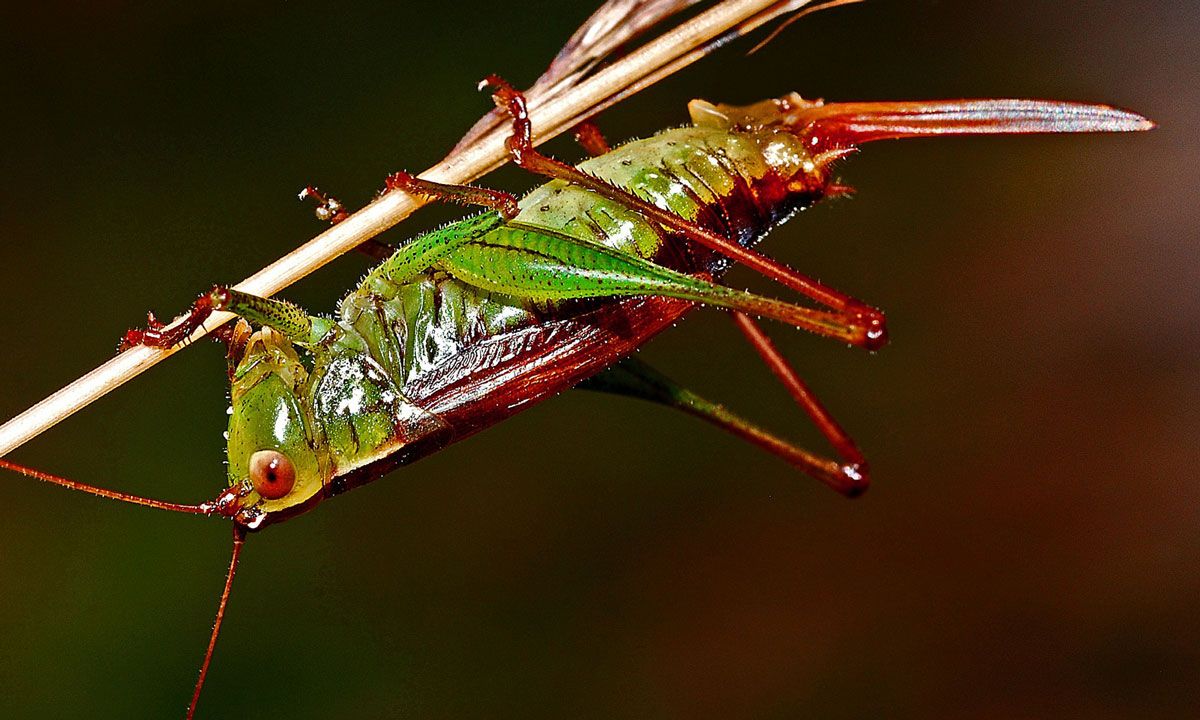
column 329, row 209
column 153, row 322
column 158, row 335
column 875, row 334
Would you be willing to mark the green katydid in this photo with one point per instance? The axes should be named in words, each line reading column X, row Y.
column 466, row 325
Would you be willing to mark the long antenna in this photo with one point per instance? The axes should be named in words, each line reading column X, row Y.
column 203, row 509
column 239, row 539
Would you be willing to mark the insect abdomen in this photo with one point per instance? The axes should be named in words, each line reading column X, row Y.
column 435, row 331
column 719, row 178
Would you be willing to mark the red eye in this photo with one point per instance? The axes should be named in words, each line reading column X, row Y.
column 272, row 474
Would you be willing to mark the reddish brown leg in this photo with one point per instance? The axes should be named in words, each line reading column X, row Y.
column 158, row 335
column 329, row 209
column 854, row 468
column 376, row 249
column 502, row 202
column 634, row 378
column 239, row 540
column 865, row 322
column 235, row 336
column 590, row 138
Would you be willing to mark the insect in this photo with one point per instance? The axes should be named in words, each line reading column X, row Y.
column 466, row 325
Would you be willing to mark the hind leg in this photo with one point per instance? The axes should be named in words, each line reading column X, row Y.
column 633, row 378
column 868, row 325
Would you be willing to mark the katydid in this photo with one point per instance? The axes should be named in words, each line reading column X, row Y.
column 466, row 325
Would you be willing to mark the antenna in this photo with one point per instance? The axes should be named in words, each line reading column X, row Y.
column 239, row 540
column 202, row 509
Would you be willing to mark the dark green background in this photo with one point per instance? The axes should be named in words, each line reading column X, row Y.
column 1030, row 547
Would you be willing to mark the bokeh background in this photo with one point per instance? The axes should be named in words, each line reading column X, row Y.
column 1030, row 548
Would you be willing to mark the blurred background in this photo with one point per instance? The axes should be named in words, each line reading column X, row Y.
column 1029, row 548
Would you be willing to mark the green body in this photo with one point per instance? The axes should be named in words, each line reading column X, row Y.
column 483, row 277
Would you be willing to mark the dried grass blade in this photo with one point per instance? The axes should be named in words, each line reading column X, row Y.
column 613, row 25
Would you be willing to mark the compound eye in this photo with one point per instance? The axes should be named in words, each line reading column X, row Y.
column 272, row 473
